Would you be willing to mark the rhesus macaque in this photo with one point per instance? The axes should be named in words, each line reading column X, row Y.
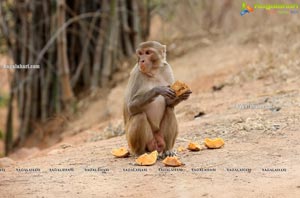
column 149, row 117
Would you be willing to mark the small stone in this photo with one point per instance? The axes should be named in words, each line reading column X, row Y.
column 64, row 146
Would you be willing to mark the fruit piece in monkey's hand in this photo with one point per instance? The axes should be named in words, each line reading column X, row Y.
column 214, row 143
column 180, row 88
column 120, row 152
column 147, row 159
column 193, row 146
column 172, row 161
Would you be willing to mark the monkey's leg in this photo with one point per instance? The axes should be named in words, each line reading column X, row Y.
column 169, row 129
column 139, row 134
column 160, row 142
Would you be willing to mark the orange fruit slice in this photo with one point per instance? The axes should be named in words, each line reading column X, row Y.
column 180, row 88
column 193, row 146
column 172, row 161
column 147, row 159
column 214, row 143
column 120, row 152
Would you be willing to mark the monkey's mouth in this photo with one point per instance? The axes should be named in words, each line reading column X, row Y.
column 143, row 67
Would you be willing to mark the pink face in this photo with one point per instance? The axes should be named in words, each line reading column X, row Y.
column 147, row 59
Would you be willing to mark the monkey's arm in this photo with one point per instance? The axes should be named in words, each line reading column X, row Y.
column 136, row 105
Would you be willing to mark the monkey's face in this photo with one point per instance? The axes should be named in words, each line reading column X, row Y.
column 148, row 59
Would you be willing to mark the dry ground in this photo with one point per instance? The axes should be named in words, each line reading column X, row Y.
column 264, row 136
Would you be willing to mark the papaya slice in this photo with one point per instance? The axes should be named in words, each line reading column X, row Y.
column 180, row 88
column 193, row 146
column 172, row 161
column 120, row 152
column 147, row 159
column 214, row 143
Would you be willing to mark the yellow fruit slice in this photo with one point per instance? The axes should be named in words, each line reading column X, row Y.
column 147, row 159
column 193, row 146
column 214, row 143
column 172, row 161
column 120, row 152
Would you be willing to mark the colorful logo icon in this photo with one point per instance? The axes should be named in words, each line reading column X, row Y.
column 246, row 9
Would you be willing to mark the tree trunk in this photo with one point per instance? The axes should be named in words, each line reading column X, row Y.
column 63, row 64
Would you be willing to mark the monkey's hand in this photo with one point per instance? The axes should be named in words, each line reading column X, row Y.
column 177, row 100
column 165, row 91
column 171, row 102
column 185, row 96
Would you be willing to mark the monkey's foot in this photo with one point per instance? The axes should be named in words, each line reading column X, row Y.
column 169, row 153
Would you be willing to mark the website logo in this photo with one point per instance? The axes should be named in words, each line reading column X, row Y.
column 280, row 8
column 246, row 9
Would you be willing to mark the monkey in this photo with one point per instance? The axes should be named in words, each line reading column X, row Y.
column 148, row 111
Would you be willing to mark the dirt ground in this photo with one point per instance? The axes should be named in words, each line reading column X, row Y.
column 256, row 112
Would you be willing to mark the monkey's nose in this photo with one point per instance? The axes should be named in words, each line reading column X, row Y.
column 142, row 61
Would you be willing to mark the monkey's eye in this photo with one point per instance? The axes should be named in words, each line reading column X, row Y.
column 148, row 52
column 140, row 53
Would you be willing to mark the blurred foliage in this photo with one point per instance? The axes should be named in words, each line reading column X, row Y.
column 3, row 49
column 3, row 101
column 165, row 9
column 1, row 136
